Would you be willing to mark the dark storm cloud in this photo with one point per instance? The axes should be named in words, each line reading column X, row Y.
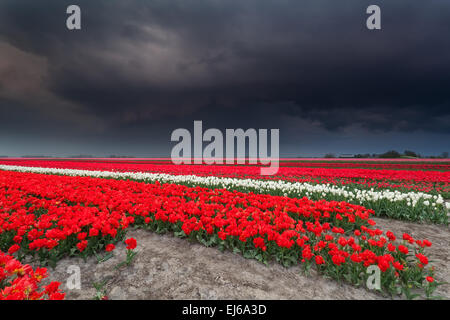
column 137, row 63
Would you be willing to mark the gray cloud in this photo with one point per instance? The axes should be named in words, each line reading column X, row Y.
column 136, row 64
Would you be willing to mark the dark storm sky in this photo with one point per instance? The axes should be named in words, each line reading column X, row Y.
column 140, row 69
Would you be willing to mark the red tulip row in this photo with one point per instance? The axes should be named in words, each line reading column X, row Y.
column 21, row 282
column 349, row 165
column 54, row 216
column 416, row 180
column 317, row 164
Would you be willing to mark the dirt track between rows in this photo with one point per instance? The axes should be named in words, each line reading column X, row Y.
column 171, row 268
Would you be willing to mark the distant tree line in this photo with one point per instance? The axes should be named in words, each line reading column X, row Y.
column 391, row 154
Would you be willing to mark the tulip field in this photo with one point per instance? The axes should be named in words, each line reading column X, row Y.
column 318, row 214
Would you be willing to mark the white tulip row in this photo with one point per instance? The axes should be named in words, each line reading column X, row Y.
column 286, row 188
